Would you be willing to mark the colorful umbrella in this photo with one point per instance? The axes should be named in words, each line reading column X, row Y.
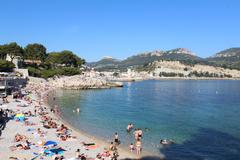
column 48, row 143
column 19, row 115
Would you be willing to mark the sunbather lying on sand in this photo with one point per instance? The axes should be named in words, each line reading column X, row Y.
column 19, row 137
column 21, row 146
column 27, row 123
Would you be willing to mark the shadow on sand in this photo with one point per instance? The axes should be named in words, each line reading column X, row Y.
column 206, row 144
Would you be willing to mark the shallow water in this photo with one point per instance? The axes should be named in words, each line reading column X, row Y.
column 202, row 116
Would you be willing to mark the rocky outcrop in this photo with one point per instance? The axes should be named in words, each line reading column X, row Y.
column 85, row 81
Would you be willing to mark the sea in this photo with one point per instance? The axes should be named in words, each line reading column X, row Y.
column 202, row 117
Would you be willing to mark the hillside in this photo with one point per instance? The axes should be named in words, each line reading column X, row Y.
column 105, row 64
column 141, row 60
column 178, row 69
column 229, row 58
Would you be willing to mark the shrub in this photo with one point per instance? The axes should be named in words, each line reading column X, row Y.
column 116, row 74
column 6, row 66
column 68, row 71
column 170, row 74
column 48, row 73
column 34, row 72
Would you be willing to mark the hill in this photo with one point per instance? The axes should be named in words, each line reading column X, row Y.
column 229, row 58
column 140, row 60
column 105, row 64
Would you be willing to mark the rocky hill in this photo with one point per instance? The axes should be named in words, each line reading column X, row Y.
column 229, row 58
column 143, row 59
column 178, row 69
column 107, row 63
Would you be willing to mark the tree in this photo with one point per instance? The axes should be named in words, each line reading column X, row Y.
column 68, row 58
column 11, row 49
column 35, row 52
column 6, row 66
column 53, row 59
column 64, row 58
column 2, row 53
column 80, row 61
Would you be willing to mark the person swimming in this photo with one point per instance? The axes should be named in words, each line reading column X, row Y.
column 146, row 129
column 129, row 127
column 165, row 142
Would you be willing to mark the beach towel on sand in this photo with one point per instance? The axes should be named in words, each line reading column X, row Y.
column 92, row 146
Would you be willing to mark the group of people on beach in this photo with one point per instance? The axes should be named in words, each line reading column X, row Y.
column 49, row 122
column 138, row 133
column 63, row 133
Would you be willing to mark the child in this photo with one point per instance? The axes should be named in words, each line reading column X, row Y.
column 131, row 147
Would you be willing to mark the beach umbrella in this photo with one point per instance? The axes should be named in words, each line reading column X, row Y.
column 19, row 115
column 48, row 143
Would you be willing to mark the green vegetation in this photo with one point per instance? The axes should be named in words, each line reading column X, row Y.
column 207, row 74
column 39, row 63
column 47, row 73
column 35, row 52
column 12, row 49
column 64, row 58
column 229, row 58
column 170, row 74
column 141, row 62
column 6, row 66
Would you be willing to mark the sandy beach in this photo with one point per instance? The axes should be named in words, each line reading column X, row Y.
column 34, row 123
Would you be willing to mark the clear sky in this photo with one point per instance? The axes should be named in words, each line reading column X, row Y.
column 120, row 28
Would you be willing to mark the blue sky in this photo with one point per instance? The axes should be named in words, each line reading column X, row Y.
column 120, row 28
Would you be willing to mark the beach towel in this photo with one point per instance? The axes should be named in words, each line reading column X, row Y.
column 58, row 150
column 51, row 152
column 92, row 147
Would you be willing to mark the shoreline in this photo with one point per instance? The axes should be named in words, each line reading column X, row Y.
column 172, row 78
column 37, row 96
column 124, row 153
column 123, row 150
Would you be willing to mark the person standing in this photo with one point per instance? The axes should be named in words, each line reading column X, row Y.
column 116, row 139
column 138, row 146
column 77, row 154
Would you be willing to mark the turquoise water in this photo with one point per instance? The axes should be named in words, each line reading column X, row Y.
column 202, row 116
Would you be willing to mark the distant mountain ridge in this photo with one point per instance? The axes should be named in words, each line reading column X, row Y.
column 229, row 58
column 231, row 52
